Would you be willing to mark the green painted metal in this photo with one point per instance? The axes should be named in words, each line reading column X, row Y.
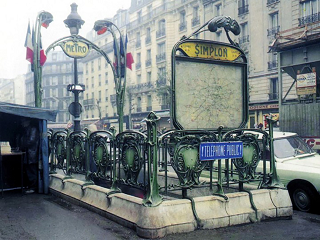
column 152, row 197
column 131, row 146
column 274, row 181
column 42, row 17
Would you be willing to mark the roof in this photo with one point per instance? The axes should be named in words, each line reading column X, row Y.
column 27, row 111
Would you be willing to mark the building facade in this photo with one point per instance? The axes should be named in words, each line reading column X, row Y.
column 154, row 26
column 13, row 90
column 57, row 74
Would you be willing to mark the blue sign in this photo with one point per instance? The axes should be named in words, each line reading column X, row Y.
column 220, row 150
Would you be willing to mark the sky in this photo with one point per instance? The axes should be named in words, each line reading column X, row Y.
column 15, row 15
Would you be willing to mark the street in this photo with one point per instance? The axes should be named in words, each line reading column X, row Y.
column 38, row 216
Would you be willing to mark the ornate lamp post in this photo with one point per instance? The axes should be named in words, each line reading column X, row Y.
column 74, row 22
column 43, row 19
column 101, row 26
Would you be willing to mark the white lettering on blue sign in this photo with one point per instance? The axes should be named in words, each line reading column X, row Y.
column 220, row 150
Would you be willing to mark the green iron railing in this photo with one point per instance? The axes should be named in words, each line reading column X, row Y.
column 155, row 165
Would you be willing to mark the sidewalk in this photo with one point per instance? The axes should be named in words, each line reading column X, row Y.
column 38, row 216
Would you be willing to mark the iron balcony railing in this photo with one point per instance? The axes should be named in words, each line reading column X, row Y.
column 243, row 10
column 148, row 40
column 272, row 64
column 244, row 39
column 161, row 57
column 148, row 62
column 195, row 21
column 165, row 106
column 309, row 19
column 182, row 26
column 161, row 33
column 88, row 102
column 272, row 1
column 273, row 96
column 141, row 87
column 273, row 31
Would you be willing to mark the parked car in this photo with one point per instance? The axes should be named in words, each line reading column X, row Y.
column 298, row 168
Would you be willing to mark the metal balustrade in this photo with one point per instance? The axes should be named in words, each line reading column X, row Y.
column 153, row 165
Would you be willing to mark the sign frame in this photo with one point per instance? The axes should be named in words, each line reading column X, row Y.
column 182, row 53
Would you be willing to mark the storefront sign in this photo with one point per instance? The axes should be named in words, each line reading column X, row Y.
column 261, row 107
column 76, row 49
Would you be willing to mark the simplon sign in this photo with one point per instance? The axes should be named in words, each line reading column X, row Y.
column 76, row 49
column 210, row 51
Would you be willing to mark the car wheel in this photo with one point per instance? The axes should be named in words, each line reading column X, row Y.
column 303, row 198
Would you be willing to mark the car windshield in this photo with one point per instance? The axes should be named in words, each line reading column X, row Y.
column 290, row 147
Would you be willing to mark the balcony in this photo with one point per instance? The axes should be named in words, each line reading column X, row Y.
column 244, row 39
column 148, row 62
column 272, row 1
column 273, row 96
column 141, row 87
column 161, row 33
column 309, row 19
column 272, row 65
column 195, row 21
column 161, row 57
column 88, row 102
column 165, row 107
column 243, row 10
column 273, row 31
column 182, row 26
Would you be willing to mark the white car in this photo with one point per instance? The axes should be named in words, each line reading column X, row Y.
column 298, row 168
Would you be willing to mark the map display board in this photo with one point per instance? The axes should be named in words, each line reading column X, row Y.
column 209, row 93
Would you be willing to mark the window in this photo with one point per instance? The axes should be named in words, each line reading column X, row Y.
column 92, row 66
column 99, row 79
column 195, row 19
column 218, row 10
column 183, row 24
column 138, row 63
column 148, row 35
column 139, row 16
column 106, row 78
column 274, row 25
column 99, row 64
column 161, row 28
column 243, row 7
column 139, row 78
column 139, row 104
column 148, row 61
column 148, row 76
column 149, row 10
column 309, row 11
column 274, row 89
column 92, row 81
column 273, row 63
column 99, row 96
column 149, row 103
column 138, row 40
column 244, row 33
